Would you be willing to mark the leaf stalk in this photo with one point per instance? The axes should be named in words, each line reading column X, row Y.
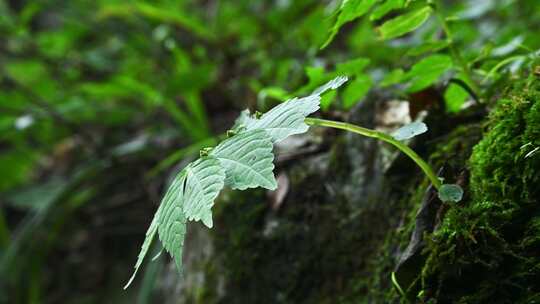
column 426, row 168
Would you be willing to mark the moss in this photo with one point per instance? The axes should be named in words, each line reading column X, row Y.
column 450, row 150
column 486, row 250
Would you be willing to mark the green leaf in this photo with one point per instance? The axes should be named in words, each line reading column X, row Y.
column 204, row 179
column 150, row 233
column 327, row 100
column 316, row 77
column 349, row 10
column 450, row 193
column 356, row 90
column 321, row 81
column 427, row 71
column 273, row 92
column 410, row 130
column 352, row 67
column 405, row 23
column 454, row 97
column 393, row 77
column 385, row 8
column 248, row 160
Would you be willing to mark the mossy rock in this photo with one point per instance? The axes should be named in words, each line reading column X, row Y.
column 449, row 152
column 487, row 249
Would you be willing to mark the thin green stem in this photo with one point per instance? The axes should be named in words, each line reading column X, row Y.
column 381, row 136
column 499, row 65
column 454, row 51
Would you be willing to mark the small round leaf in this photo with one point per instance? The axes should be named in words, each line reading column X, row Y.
column 450, row 193
column 410, row 130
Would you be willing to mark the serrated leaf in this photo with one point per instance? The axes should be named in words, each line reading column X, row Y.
column 243, row 120
column 287, row 118
column 204, row 179
column 450, row 193
column 427, row 71
column 404, row 24
column 248, row 160
column 170, row 200
column 410, row 130
column 349, row 10
column 171, row 219
column 149, row 237
column 331, row 85
column 320, row 81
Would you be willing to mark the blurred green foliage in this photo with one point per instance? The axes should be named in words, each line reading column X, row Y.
column 98, row 99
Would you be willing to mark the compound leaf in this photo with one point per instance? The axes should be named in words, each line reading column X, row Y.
column 248, row 160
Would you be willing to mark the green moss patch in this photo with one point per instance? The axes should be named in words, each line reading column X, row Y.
column 487, row 248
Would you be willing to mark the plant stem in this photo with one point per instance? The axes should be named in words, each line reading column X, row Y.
column 382, row 136
column 456, row 54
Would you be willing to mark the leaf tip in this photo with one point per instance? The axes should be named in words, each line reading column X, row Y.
column 207, row 220
column 131, row 279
